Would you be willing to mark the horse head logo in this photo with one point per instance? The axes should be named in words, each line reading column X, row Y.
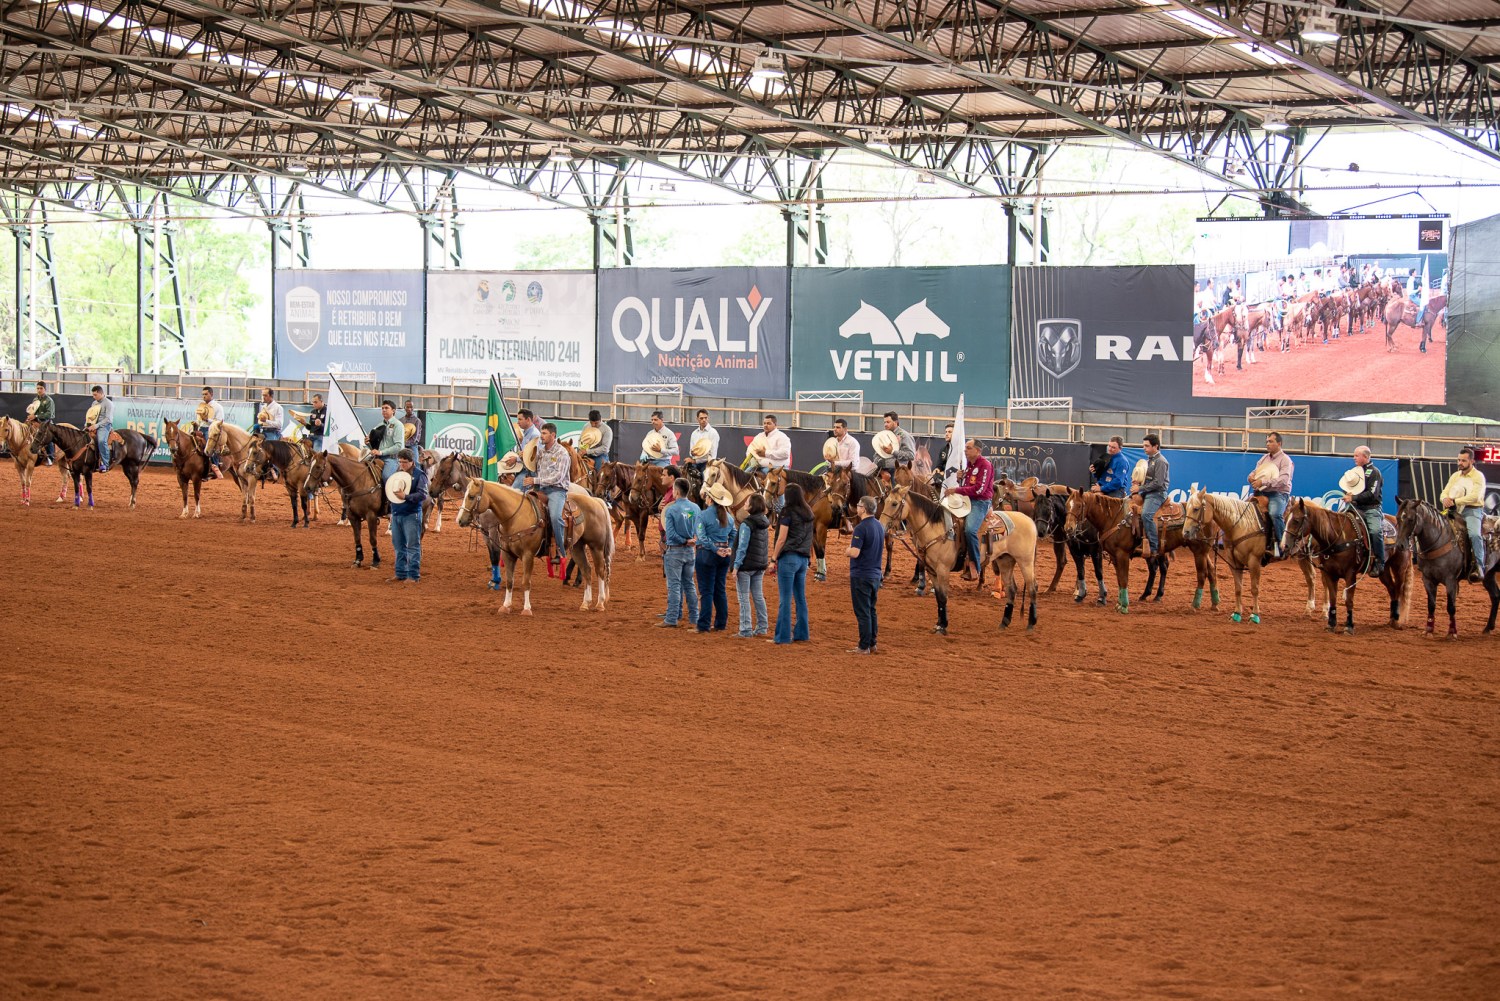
column 871, row 321
column 918, row 318
column 1059, row 346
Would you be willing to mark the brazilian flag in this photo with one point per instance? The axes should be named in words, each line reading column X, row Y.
column 499, row 432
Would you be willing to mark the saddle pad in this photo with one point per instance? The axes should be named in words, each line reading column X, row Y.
column 1170, row 511
column 998, row 523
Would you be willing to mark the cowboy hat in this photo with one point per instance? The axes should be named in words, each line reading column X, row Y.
column 718, row 494
column 958, row 505
column 298, row 416
column 397, row 487
column 31, row 407
column 1264, row 472
column 831, row 449
column 655, row 444
column 263, row 416
column 411, row 430
column 529, row 453
column 757, row 445
column 1138, row 474
column 701, row 448
column 589, row 438
column 509, row 463
column 93, row 414
column 1353, row 482
column 885, row 443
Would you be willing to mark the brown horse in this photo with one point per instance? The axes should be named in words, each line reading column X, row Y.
column 1111, row 520
column 189, row 463
column 518, row 530
column 1004, row 547
column 590, row 538
column 1206, row 515
column 451, row 472
column 615, row 482
column 291, row 463
column 650, row 487
column 364, row 496
column 1440, row 553
column 815, row 490
column 910, row 512
column 1340, row 546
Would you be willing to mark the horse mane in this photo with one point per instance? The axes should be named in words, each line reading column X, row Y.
column 807, row 481
column 738, row 475
column 859, row 482
column 929, row 507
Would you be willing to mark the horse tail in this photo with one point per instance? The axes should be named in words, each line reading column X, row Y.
column 1409, row 594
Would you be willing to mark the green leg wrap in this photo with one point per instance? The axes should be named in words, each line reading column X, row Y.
column 1198, row 599
column 1255, row 619
column 1235, row 617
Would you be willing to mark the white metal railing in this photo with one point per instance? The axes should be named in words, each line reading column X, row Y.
column 669, row 390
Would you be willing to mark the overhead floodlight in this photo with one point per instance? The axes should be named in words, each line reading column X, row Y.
column 1274, row 121
column 767, row 66
column 1320, row 28
column 926, row 178
column 64, row 118
column 667, row 187
column 83, row 174
column 559, row 155
column 363, row 95
column 297, row 167
column 879, row 139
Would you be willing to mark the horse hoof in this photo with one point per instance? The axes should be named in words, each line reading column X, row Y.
column 940, row 630
column 525, row 611
column 1349, row 630
column 1078, row 599
column 1235, row 617
column 1255, row 619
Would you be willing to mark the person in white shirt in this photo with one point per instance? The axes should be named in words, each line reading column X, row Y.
column 660, row 427
column 847, row 445
column 704, row 432
column 776, row 450
column 271, row 414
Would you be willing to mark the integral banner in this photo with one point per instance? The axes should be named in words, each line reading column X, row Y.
column 718, row 331
column 367, row 322
column 1315, row 477
column 1111, row 338
column 903, row 335
column 534, row 326
column 454, row 432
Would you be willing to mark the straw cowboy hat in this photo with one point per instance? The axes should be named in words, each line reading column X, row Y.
column 529, row 453
column 31, row 407
column 831, row 449
column 1353, row 482
column 1138, row 474
column 700, row 448
column 1264, row 472
column 589, row 437
column 719, row 494
column 886, row 443
column 204, row 413
column 411, row 430
column 93, row 414
column 300, row 416
column 958, row 505
column 397, row 487
column 509, row 463
column 757, row 445
column 655, row 444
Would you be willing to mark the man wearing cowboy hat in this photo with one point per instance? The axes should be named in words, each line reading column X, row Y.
column 845, row 444
column 1277, row 488
column 703, row 446
column 207, row 412
column 100, row 422
column 1361, row 486
column 392, row 441
column 603, row 438
column 771, row 449
column 978, row 486
column 667, row 452
column 553, row 471
column 904, row 453
column 42, row 411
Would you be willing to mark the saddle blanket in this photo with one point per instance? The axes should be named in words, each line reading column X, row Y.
column 998, row 523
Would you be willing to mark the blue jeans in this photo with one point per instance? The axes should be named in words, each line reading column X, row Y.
column 391, row 466
column 317, row 443
column 271, row 434
column 713, row 599
column 1373, row 522
column 101, row 437
column 862, row 591
column 750, row 586
column 557, row 497
column 1149, row 504
column 1473, row 519
column 978, row 511
column 682, row 598
column 657, row 462
column 406, row 536
column 791, row 585
column 1276, row 503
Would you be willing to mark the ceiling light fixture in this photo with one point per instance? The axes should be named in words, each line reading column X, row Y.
column 666, row 186
column 64, row 118
column 926, row 178
column 296, row 167
column 767, row 66
column 363, row 95
column 83, row 174
column 1274, row 121
column 559, row 155
column 1320, row 28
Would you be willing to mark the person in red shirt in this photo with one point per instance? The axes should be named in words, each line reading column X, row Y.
column 978, row 484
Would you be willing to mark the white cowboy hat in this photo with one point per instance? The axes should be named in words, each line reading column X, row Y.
column 1353, row 482
column 885, row 443
column 757, row 445
column 263, row 416
column 958, row 504
column 701, row 448
column 655, row 444
column 31, row 407
column 719, row 494
column 1138, row 474
column 831, row 449
column 589, row 438
column 93, row 414
column 1264, row 472
column 529, row 453
column 397, row 486
column 510, row 462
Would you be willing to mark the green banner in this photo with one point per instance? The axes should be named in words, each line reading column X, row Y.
column 149, row 415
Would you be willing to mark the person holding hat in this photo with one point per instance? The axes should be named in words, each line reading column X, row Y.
column 406, row 519
column 703, row 446
column 271, row 417
column 527, row 423
column 847, row 447
column 715, row 554
column 1115, row 482
column 207, row 412
column 865, row 549
column 412, row 421
column 99, row 422
column 750, row 562
column 508, row 468
column 317, row 422
column 1156, row 480
column 43, row 411
column 679, row 527
column 890, row 456
column 978, row 486
column 1361, row 486
column 597, row 439
column 553, row 471
column 1275, row 486
column 666, row 451
column 393, row 437
column 771, row 449
column 1463, row 495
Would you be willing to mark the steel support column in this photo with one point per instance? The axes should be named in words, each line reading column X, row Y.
column 614, row 231
column 291, row 238
column 160, row 316
column 442, row 246
column 38, row 322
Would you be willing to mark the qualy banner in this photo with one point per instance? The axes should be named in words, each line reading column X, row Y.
column 348, row 322
column 534, row 326
column 1315, row 477
column 903, row 335
column 718, row 331
column 1111, row 338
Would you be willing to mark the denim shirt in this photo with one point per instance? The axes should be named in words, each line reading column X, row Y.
column 678, row 521
column 711, row 534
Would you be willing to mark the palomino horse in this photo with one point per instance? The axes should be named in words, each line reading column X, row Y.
column 1205, row 515
column 291, row 462
column 922, row 519
column 1439, row 554
column 189, row 463
column 1340, row 547
column 518, row 530
column 590, row 538
column 1110, row 518
column 364, row 498
column 1004, row 546
column 71, row 441
column 741, row 484
column 17, row 435
column 1047, row 505
column 233, row 444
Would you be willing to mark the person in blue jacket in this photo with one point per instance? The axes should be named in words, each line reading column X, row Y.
column 1115, row 481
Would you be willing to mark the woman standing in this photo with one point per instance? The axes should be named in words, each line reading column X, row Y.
column 794, row 538
column 714, row 557
column 750, row 561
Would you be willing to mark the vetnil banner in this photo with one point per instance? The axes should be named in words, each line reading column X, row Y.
column 717, row 331
column 534, row 326
column 348, row 322
column 903, row 335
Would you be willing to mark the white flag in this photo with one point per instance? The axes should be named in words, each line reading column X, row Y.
column 957, row 461
column 342, row 424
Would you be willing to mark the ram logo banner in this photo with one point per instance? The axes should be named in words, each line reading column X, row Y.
column 1059, row 346
column 903, row 335
column 717, row 331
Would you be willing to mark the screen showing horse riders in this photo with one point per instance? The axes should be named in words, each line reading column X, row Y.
column 1339, row 310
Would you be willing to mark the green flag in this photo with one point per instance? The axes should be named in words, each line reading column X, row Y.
column 499, row 432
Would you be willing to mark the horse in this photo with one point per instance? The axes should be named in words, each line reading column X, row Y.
column 919, row 516
column 616, row 480
column 1111, row 520
column 451, row 472
column 189, row 463
column 233, row 443
column 843, row 490
column 649, row 488
column 741, row 484
column 815, row 490
column 291, row 462
column 364, row 496
column 590, row 538
column 519, row 527
column 1206, row 515
column 1491, row 568
column 1001, row 549
column 1439, row 555
column 1339, row 545
column 131, row 451
column 71, row 441
column 17, row 436
column 1047, row 506
column 1401, row 310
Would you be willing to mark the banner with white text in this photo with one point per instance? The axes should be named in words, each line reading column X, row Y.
column 348, row 322
column 535, row 326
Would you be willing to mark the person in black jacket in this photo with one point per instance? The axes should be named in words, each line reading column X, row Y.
column 750, row 561
column 794, row 539
column 406, row 520
column 1367, row 504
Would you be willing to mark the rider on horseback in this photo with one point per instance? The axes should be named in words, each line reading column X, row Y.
column 1278, row 491
column 43, row 412
column 1115, row 482
column 1464, row 497
column 1153, row 490
column 393, row 439
column 905, row 452
column 1366, row 503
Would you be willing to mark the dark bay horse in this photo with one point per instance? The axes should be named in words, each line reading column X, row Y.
column 1341, row 551
column 364, row 498
column 288, row 459
column 131, row 450
column 450, row 472
column 1439, row 554
column 1111, row 519
column 190, row 464
column 71, row 441
column 616, row 479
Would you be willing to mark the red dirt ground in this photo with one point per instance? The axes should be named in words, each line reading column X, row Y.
column 233, row 767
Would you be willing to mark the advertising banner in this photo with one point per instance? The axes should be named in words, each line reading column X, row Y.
column 1014, row 458
column 718, row 331
column 348, row 321
column 1315, row 477
column 535, row 326
column 1474, row 348
column 903, row 335
column 454, row 432
column 1111, row 338
column 149, row 415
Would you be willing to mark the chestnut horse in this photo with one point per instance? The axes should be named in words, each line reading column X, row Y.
column 189, row 463
column 1205, row 515
column 590, row 539
column 364, row 496
column 1339, row 545
column 615, row 482
column 1047, row 505
column 1111, row 519
column 519, row 527
column 233, row 444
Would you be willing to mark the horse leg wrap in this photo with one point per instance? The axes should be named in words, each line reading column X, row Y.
column 1255, row 618
column 1236, row 617
column 1197, row 599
